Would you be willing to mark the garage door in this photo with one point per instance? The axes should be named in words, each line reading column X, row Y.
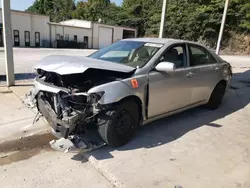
column 105, row 36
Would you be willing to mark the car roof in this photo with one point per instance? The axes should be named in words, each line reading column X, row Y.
column 160, row 40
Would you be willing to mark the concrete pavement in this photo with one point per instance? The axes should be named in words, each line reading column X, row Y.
column 16, row 119
column 26, row 159
column 51, row 169
column 197, row 148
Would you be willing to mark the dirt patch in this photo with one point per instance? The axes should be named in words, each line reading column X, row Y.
column 238, row 44
column 24, row 148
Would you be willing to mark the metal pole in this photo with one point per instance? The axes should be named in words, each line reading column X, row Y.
column 8, row 47
column 222, row 26
column 163, row 18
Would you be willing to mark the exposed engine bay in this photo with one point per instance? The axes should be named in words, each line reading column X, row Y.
column 65, row 103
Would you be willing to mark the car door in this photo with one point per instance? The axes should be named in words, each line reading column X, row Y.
column 170, row 91
column 204, row 71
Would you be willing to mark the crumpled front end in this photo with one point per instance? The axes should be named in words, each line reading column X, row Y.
column 65, row 110
column 69, row 109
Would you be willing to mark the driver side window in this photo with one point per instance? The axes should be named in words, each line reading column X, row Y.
column 176, row 54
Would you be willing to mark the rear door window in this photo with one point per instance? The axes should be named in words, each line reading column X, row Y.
column 200, row 56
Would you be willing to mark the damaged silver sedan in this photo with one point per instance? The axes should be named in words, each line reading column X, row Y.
column 125, row 85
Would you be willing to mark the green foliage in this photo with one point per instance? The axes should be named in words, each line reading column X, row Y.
column 58, row 10
column 197, row 20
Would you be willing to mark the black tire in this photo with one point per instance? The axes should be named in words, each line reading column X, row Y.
column 118, row 125
column 216, row 96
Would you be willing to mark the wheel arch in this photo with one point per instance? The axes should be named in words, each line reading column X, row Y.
column 138, row 101
column 224, row 82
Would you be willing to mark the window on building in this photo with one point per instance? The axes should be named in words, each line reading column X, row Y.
column 16, row 38
column 67, row 37
column 58, row 36
column 61, row 37
column 37, row 39
column 27, row 38
column 86, row 41
column 75, row 38
column 1, row 37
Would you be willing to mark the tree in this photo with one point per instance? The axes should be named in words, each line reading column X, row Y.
column 103, row 2
column 58, row 10
column 81, row 11
column 196, row 20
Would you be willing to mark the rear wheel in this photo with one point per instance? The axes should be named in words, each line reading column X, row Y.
column 118, row 126
column 216, row 96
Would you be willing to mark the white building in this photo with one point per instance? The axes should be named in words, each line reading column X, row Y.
column 35, row 30
column 99, row 35
column 28, row 29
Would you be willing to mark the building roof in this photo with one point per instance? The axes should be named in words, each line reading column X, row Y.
column 27, row 12
column 103, row 24
column 65, row 25
column 77, row 23
column 125, row 27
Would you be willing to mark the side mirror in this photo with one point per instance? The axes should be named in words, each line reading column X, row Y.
column 165, row 67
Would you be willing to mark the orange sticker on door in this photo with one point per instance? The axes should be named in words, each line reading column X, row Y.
column 134, row 83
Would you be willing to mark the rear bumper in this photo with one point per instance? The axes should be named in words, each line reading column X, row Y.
column 60, row 127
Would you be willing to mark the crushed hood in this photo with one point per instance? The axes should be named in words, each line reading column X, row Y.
column 78, row 64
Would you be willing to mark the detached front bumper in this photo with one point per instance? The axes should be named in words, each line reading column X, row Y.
column 54, row 109
column 68, row 143
column 59, row 126
column 65, row 126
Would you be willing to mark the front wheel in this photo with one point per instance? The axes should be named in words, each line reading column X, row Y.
column 118, row 125
column 216, row 96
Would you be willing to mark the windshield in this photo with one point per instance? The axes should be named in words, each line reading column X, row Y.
column 132, row 53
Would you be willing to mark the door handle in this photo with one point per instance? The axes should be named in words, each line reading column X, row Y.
column 190, row 74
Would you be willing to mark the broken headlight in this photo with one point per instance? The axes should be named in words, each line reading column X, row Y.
column 95, row 97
